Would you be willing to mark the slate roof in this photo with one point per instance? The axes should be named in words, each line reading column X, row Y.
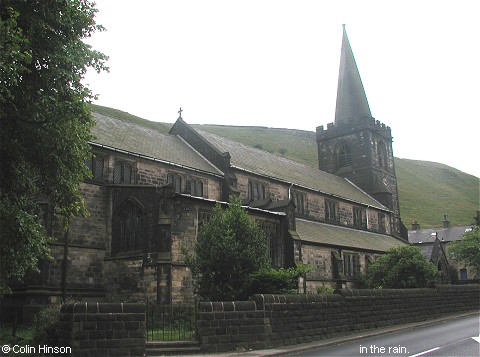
column 127, row 136
column 327, row 234
column 264, row 163
column 444, row 234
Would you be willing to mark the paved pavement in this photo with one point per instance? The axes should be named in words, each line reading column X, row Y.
column 292, row 349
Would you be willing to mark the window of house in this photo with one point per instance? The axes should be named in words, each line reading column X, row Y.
column 256, row 191
column 299, row 201
column 95, row 165
column 330, row 211
column 463, row 274
column 344, row 156
column 357, row 217
column 381, row 222
column 122, row 172
column 350, row 265
column 176, row 181
column 127, row 228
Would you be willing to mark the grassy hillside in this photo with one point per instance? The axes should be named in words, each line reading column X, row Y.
column 427, row 190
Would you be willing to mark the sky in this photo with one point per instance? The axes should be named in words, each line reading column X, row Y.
column 275, row 63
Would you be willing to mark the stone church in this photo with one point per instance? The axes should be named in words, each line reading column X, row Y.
column 150, row 192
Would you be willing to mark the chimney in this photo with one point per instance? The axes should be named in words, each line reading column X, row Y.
column 446, row 222
column 415, row 226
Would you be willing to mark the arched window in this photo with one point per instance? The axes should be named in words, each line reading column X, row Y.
column 95, row 165
column 344, row 156
column 299, row 201
column 199, row 188
column 127, row 227
column 381, row 155
column 176, row 182
column 122, row 172
column 256, row 191
column 195, row 187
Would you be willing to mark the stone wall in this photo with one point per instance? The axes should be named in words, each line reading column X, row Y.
column 102, row 329
column 270, row 321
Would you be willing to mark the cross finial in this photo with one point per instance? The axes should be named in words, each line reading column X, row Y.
column 180, row 112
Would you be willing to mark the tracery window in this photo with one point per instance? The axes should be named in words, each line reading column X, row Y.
column 122, row 172
column 357, row 217
column 381, row 155
column 350, row 265
column 256, row 191
column 176, row 181
column 299, row 201
column 195, row 187
column 344, row 156
column 95, row 165
column 127, row 227
column 330, row 211
column 381, row 222
column 270, row 229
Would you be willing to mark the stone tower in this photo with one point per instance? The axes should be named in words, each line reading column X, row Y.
column 356, row 146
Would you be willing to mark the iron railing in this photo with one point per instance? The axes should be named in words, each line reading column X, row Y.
column 172, row 322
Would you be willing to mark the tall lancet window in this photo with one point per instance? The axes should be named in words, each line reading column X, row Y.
column 344, row 156
column 381, row 154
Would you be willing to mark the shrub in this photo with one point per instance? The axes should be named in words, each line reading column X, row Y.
column 276, row 281
column 46, row 325
column 402, row 267
column 326, row 290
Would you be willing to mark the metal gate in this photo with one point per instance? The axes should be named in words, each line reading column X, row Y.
column 172, row 322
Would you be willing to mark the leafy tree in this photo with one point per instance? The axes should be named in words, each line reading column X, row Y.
column 402, row 267
column 45, row 121
column 282, row 151
column 467, row 250
column 229, row 249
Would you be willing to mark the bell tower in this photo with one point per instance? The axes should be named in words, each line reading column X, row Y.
column 356, row 146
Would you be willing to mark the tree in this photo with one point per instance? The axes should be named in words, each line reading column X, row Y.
column 45, row 121
column 229, row 249
column 467, row 250
column 282, row 151
column 402, row 267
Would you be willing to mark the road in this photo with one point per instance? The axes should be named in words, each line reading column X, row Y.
column 445, row 338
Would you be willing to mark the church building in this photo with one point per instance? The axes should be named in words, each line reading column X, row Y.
column 150, row 193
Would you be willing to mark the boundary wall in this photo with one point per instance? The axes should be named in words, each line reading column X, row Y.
column 103, row 329
column 269, row 321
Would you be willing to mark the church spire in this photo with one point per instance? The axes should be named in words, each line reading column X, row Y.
column 351, row 99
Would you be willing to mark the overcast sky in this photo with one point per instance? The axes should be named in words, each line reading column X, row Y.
column 275, row 63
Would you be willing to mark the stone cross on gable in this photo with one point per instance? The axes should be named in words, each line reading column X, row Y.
column 180, row 112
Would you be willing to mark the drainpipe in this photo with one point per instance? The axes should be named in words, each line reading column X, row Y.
column 289, row 191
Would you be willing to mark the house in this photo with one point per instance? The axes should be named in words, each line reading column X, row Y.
column 150, row 192
column 433, row 242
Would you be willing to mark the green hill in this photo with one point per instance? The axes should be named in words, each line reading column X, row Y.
column 427, row 190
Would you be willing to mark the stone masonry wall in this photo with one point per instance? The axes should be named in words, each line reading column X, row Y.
column 102, row 329
column 270, row 321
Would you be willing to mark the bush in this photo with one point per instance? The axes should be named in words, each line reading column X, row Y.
column 399, row 268
column 326, row 290
column 276, row 281
column 229, row 248
column 46, row 325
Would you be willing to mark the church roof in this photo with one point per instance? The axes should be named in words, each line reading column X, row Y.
column 136, row 139
column 263, row 163
column 332, row 235
column 351, row 98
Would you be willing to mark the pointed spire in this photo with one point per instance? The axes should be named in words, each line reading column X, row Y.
column 351, row 99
